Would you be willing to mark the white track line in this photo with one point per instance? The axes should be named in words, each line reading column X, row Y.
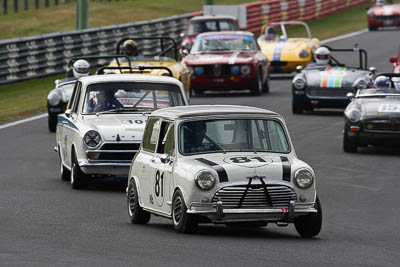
column 322, row 42
column 43, row 115
column 337, row 38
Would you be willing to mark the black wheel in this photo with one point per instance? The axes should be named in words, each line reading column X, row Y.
column 183, row 222
column 65, row 174
column 309, row 225
column 372, row 28
column 266, row 85
column 296, row 108
column 79, row 180
column 348, row 146
column 256, row 224
column 136, row 214
column 52, row 121
column 257, row 86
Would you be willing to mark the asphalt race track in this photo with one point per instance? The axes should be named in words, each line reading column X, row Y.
column 43, row 222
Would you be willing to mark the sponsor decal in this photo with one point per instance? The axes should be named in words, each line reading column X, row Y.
column 332, row 77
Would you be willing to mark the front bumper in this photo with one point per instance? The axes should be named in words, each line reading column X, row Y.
column 216, row 213
column 384, row 21
column 105, row 168
column 305, row 100
column 375, row 138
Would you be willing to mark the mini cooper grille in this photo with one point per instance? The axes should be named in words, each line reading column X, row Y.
column 328, row 92
column 383, row 125
column 255, row 197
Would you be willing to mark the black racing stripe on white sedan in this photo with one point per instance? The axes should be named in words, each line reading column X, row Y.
column 222, row 175
column 286, row 169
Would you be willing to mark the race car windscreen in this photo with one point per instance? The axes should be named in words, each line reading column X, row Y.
column 349, row 59
column 131, row 96
column 208, row 136
column 223, row 42
column 197, row 27
column 391, row 88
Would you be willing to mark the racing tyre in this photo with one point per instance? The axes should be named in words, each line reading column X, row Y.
column 309, row 225
column 257, row 86
column 266, row 85
column 79, row 180
column 52, row 121
column 183, row 222
column 136, row 214
column 348, row 146
column 65, row 174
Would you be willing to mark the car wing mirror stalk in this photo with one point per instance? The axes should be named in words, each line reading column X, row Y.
column 350, row 96
column 299, row 68
column 68, row 113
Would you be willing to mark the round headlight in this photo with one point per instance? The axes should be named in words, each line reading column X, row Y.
column 370, row 14
column 354, row 115
column 92, row 139
column 303, row 54
column 299, row 83
column 303, row 178
column 54, row 99
column 199, row 70
column 245, row 69
column 205, row 180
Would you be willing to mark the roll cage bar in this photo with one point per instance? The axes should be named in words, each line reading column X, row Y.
column 165, row 48
column 283, row 24
column 362, row 55
column 134, row 70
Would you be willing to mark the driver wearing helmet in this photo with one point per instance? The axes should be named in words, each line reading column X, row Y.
column 322, row 57
column 80, row 68
column 194, row 136
column 270, row 34
column 382, row 84
column 130, row 48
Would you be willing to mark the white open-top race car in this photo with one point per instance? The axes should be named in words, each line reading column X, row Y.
column 101, row 130
column 221, row 164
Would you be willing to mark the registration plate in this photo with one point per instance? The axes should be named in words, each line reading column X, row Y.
column 218, row 80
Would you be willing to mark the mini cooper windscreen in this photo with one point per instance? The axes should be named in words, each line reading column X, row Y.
column 232, row 135
column 223, row 42
column 123, row 96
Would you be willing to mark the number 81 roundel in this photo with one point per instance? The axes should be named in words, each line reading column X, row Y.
column 249, row 161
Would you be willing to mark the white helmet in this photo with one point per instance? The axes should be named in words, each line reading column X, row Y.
column 80, row 68
column 322, row 56
column 380, row 2
column 382, row 82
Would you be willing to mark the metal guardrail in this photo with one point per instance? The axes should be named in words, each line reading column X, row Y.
column 48, row 54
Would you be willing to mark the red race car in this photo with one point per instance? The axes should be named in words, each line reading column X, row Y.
column 383, row 14
column 227, row 61
column 200, row 24
column 396, row 62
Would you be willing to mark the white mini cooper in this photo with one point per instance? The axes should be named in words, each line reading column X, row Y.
column 101, row 130
column 221, row 164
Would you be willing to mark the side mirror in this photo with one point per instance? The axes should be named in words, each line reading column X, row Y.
column 57, row 82
column 68, row 113
column 350, row 96
column 299, row 68
column 372, row 70
column 393, row 59
column 182, row 34
column 165, row 158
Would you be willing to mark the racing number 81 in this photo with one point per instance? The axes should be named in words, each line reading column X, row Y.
column 159, row 185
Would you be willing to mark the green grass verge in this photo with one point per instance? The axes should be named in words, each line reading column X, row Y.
column 29, row 98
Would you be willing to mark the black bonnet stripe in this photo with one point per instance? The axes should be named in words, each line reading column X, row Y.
column 286, row 169
column 222, row 175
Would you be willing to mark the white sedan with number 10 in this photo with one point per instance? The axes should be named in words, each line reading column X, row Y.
column 221, row 164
